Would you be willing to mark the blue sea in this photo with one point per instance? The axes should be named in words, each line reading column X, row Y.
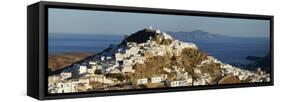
column 65, row 43
column 233, row 50
column 229, row 50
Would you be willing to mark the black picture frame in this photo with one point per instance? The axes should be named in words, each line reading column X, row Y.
column 37, row 53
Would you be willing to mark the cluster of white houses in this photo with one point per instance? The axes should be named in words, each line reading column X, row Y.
column 119, row 59
column 227, row 69
column 258, row 76
column 182, row 77
column 155, row 79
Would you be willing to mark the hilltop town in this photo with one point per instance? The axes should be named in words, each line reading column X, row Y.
column 149, row 58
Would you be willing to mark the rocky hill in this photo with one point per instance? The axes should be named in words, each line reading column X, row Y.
column 152, row 59
column 189, row 58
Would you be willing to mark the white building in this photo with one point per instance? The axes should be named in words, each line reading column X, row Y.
column 64, row 87
column 182, row 75
column 166, row 36
column 97, row 79
column 199, row 82
column 51, row 88
column 65, row 75
column 167, row 70
column 158, row 31
column 84, row 81
column 82, row 69
column 108, row 58
column 177, row 83
column 118, row 57
column 127, row 62
column 74, row 86
column 102, row 58
column 92, row 63
column 137, row 59
column 101, row 79
column 236, row 73
column 54, row 78
column 127, row 69
column 142, row 81
column 156, row 79
column 91, row 70
column 197, row 71
column 133, row 50
column 94, row 67
column 189, row 81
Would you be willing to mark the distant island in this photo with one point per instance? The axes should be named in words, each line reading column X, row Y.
column 149, row 58
column 197, row 34
column 260, row 62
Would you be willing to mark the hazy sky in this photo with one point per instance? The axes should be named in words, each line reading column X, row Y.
column 101, row 22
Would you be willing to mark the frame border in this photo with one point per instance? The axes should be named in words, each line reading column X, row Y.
column 43, row 48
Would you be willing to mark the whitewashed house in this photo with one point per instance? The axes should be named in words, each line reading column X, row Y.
column 102, row 58
column 167, row 36
column 181, row 75
column 110, row 67
column 167, row 70
column 65, row 75
column 199, row 82
column 54, row 78
column 74, row 86
column 94, row 67
column 127, row 66
column 236, row 73
column 101, row 79
column 182, row 83
column 92, row 63
column 84, row 81
column 97, row 79
column 177, row 83
column 142, row 81
column 156, row 79
column 197, row 71
column 118, row 56
column 82, row 69
column 51, row 88
column 108, row 58
column 91, row 70
column 138, row 59
column 127, row 62
column 128, row 52
column 189, row 81
column 158, row 31
column 64, row 87
column 127, row 69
